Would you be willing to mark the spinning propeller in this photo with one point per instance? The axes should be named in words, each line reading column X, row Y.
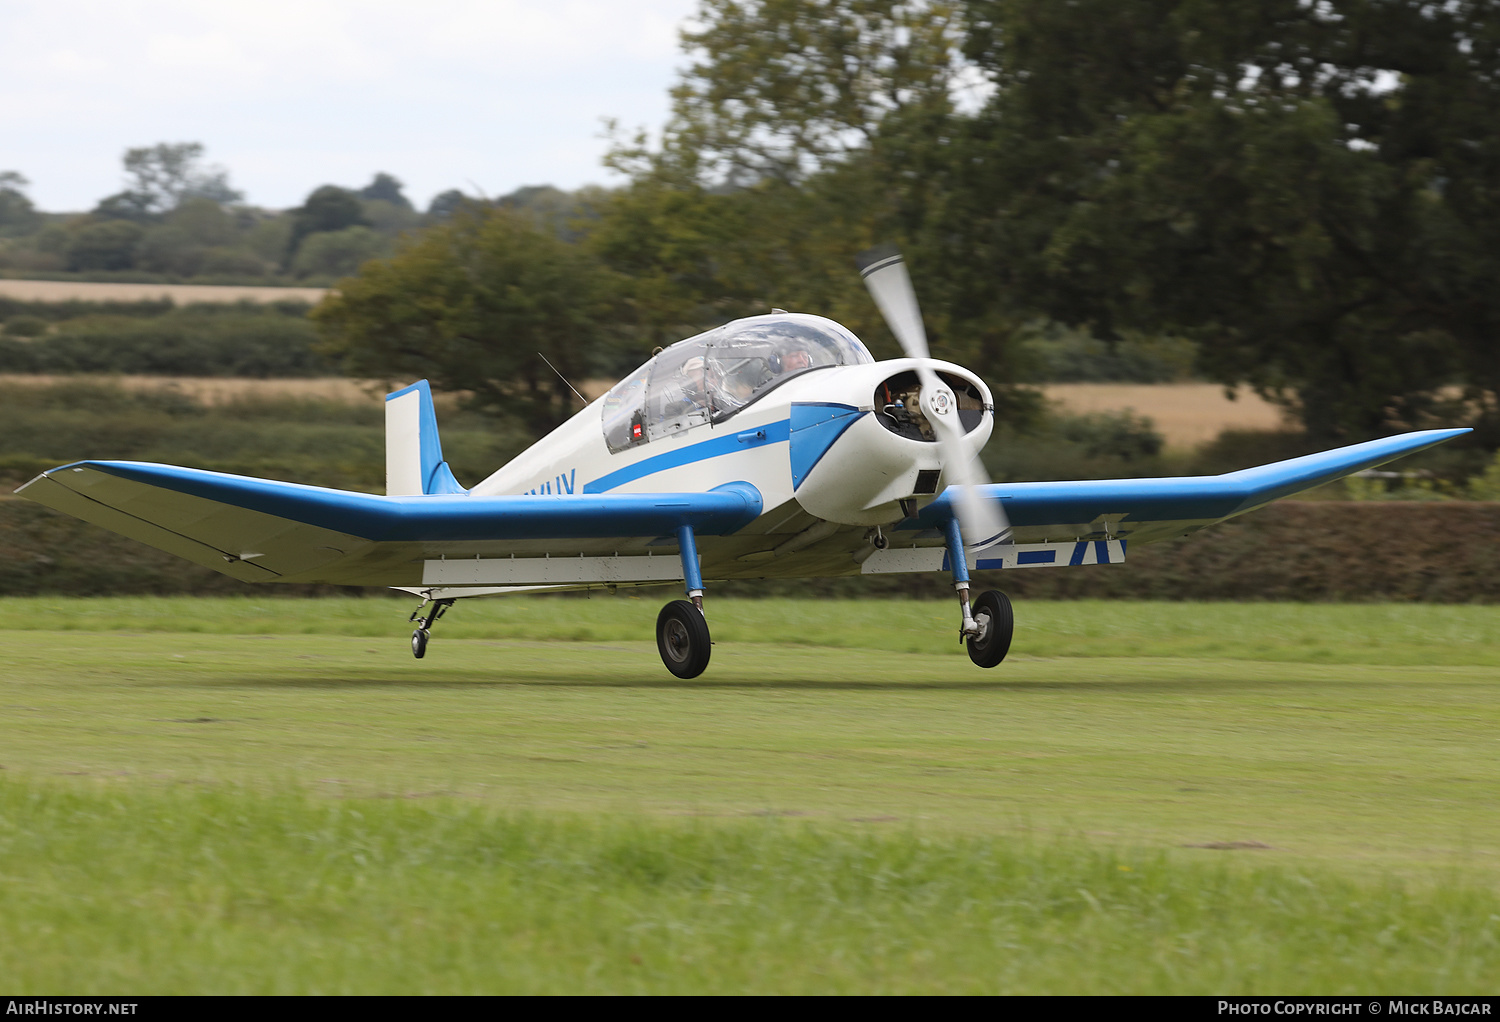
column 982, row 521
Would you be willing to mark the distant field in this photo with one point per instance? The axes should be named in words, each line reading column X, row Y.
column 182, row 294
column 217, row 390
column 272, row 796
column 1186, row 414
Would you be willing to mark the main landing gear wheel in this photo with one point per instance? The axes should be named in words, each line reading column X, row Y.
column 996, row 623
column 424, row 625
column 682, row 639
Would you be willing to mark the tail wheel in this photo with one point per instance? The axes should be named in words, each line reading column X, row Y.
column 996, row 623
column 682, row 639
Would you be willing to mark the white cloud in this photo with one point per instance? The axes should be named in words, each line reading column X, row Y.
column 291, row 94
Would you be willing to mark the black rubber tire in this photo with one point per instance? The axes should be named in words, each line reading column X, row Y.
column 419, row 643
column 997, row 624
column 682, row 639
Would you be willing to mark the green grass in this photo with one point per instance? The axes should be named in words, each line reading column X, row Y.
column 1414, row 635
column 272, row 796
column 227, row 892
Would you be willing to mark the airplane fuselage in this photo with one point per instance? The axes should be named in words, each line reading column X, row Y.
column 825, row 441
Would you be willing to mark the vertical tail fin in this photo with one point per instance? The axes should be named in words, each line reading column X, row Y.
column 413, row 453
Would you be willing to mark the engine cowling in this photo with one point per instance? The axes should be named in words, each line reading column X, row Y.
column 858, row 465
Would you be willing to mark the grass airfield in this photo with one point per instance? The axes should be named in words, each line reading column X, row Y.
column 263, row 795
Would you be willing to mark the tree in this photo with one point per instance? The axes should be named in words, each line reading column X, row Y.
column 781, row 89
column 338, row 253
column 445, row 204
column 790, row 149
column 386, row 188
column 697, row 257
column 110, row 245
column 389, row 219
column 329, row 208
column 565, row 214
column 131, row 206
column 1306, row 189
column 17, row 214
column 162, row 176
column 469, row 304
column 196, row 231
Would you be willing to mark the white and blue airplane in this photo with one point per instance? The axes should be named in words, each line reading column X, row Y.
column 770, row 447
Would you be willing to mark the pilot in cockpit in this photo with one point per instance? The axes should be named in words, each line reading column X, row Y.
column 793, row 361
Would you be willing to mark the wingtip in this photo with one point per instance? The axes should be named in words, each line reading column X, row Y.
column 49, row 473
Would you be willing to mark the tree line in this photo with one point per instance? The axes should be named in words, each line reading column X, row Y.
column 179, row 217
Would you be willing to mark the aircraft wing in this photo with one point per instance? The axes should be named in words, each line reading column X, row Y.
column 1145, row 510
column 260, row 530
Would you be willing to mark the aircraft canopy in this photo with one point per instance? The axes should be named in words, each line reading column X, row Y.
column 713, row 375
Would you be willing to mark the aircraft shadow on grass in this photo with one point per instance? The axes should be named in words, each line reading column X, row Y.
column 1197, row 685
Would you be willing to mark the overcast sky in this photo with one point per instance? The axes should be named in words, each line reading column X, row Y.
column 291, row 94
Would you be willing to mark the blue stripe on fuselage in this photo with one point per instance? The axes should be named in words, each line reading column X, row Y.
column 729, row 443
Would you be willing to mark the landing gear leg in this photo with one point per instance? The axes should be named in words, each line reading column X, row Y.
column 967, row 626
column 424, row 625
column 987, row 627
column 960, row 564
column 682, row 636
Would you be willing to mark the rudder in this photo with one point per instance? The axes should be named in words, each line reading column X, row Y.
column 413, row 453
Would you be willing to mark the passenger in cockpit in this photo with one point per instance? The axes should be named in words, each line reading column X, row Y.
column 686, row 392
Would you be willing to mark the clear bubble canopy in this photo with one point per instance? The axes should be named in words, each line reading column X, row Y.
column 713, row 375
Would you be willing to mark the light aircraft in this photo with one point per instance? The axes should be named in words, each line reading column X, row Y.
column 772, row 446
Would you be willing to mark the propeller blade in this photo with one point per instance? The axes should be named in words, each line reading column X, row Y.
column 982, row 522
column 890, row 285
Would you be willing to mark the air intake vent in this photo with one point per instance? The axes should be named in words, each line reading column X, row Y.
column 926, row 481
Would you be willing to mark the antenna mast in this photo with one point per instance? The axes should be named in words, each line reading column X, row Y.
column 560, row 376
